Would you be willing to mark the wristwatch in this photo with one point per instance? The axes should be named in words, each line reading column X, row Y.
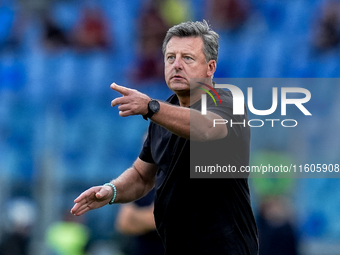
column 153, row 107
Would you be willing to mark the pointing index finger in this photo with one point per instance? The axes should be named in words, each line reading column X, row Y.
column 120, row 89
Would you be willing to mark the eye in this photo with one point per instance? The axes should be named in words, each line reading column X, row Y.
column 188, row 58
column 170, row 58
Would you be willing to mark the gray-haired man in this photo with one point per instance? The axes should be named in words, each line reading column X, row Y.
column 193, row 216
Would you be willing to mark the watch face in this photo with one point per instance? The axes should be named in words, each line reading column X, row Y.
column 154, row 106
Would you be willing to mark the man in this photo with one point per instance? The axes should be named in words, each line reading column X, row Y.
column 193, row 216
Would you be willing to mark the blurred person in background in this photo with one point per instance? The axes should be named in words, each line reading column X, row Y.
column 156, row 18
column 193, row 216
column 227, row 14
column 276, row 231
column 20, row 219
column 175, row 11
column 327, row 28
column 91, row 31
column 54, row 37
column 136, row 221
column 68, row 237
column 151, row 31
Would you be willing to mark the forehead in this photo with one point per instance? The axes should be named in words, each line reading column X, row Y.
column 184, row 44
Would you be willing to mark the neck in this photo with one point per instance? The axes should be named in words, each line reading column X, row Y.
column 190, row 97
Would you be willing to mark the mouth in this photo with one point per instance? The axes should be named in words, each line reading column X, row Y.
column 177, row 77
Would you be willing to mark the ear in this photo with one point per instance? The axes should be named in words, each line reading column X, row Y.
column 211, row 68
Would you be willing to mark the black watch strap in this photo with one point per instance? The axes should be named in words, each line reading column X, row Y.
column 153, row 107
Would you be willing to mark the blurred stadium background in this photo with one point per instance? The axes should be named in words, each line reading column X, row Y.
column 59, row 135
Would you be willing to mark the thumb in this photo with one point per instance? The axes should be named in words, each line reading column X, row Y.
column 102, row 193
column 120, row 89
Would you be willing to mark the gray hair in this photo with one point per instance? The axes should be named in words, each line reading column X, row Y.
column 195, row 29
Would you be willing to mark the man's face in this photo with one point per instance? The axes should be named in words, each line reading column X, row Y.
column 184, row 59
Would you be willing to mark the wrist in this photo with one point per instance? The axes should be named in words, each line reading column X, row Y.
column 112, row 201
column 146, row 108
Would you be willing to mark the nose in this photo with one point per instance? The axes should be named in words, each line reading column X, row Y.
column 178, row 64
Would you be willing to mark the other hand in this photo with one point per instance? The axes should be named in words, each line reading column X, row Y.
column 92, row 198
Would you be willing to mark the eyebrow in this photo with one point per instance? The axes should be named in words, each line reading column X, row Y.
column 183, row 53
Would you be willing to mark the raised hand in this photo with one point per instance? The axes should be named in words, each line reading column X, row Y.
column 132, row 102
column 92, row 198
